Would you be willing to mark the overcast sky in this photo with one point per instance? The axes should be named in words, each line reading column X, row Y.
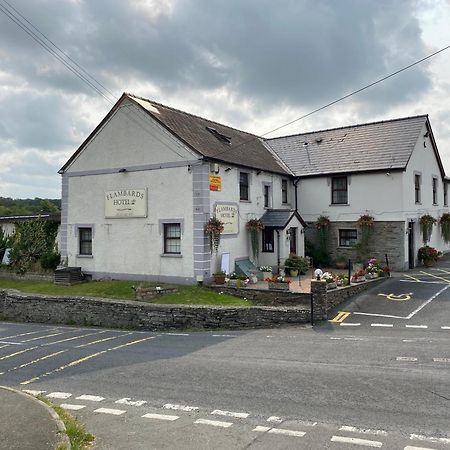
column 251, row 64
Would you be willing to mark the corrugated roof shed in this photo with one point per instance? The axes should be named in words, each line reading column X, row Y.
column 367, row 147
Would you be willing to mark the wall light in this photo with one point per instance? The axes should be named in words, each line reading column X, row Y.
column 227, row 169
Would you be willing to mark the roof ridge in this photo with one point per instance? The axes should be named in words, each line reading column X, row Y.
column 348, row 126
column 192, row 115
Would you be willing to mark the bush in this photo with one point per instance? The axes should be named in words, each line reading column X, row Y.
column 319, row 255
column 295, row 262
column 50, row 260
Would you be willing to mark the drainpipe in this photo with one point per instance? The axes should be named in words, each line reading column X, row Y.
column 278, row 248
column 296, row 181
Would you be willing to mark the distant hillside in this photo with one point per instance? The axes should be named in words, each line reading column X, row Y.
column 24, row 207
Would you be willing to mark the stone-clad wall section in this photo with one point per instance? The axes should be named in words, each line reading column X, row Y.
column 141, row 316
column 387, row 237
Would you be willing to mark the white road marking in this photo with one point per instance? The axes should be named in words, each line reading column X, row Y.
column 160, row 417
column 180, row 407
column 445, row 328
column 114, row 412
column 31, row 392
column 421, row 437
column 406, row 358
column 73, row 338
column 385, row 325
column 214, row 423
column 29, row 363
column 356, row 441
column 230, row 414
column 9, row 343
column 27, row 334
column 102, row 340
column 62, row 395
column 409, row 447
column 344, row 324
column 362, row 430
column 306, row 423
column 274, row 419
column 129, row 402
column 416, row 326
column 425, row 282
column 43, row 337
column 176, row 334
column 287, row 432
column 261, row 429
column 408, row 340
column 11, row 355
column 441, row 360
column 223, row 335
column 335, row 339
column 3, row 346
column 71, row 407
column 91, row 398
column 353, row 339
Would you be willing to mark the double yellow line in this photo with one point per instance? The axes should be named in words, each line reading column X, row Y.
column 341, row 316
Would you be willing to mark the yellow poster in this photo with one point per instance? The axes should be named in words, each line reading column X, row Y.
column 215, row 183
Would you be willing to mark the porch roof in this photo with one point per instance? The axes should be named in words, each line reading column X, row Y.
column 280, row 218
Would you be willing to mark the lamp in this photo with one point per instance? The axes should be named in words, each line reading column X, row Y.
column 227, row 169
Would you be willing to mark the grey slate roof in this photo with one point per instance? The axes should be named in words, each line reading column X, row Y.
column 279, row 218
column 244, row 148
column 373, row 146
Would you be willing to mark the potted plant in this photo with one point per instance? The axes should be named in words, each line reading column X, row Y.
column 219, row 277
column 341, row 279
column 254, row 226
column 236, row 280
column 278, row 283
column 428, row 255
column 214, row 228
column 328, row 277
column 340, row 263
column 373, row 269
column 444, row 222
column 266, row 271
column 426, row 226
column 296, row 265
column 359, row 276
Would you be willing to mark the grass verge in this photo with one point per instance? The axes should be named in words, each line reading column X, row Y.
column 79, row 438
column 185, row 295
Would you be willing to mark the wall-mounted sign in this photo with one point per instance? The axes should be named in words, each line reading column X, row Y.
column 229, row 215
column 126, row 203
column 215, row 183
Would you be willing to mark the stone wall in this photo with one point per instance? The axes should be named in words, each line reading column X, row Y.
column 32, row 276
column 387, row 237
column 142, row 316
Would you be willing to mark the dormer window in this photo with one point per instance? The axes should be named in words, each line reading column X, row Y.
column 221, row 137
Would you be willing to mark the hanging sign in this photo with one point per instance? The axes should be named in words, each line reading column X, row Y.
column 124, row 203
column 215, row 183
column 228, row 214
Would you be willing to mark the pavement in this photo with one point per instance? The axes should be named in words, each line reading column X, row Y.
column 26, row 423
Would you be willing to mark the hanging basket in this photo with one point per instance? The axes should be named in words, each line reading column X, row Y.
column 254, row 226
column 214, row 228
column 426, row 226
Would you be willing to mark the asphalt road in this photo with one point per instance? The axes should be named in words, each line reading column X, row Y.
column 375, row 379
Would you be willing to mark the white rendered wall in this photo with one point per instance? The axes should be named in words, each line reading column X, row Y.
column 132, row 245
column 238, row 246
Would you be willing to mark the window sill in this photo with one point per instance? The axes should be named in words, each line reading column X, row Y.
column 171, row 255
column 339, row 204
column 85, row 256
column 245, row 201
column 435, row 204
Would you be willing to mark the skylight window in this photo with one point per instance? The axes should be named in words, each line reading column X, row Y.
column 221, row 137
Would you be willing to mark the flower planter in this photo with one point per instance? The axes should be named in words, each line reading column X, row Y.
column 428, row 263
column 278, row 286
column 293, row 272
column 371, row 276
column 266, row 275
column 331, row 285
column 234, row 283
column 219, row 279
column 358, row 279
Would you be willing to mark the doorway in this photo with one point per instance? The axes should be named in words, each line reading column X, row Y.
column 293, row 240
column 411, row 252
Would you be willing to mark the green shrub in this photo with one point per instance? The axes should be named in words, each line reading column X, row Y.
column 50, row 260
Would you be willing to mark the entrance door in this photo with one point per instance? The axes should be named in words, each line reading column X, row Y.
column 293, row 241
column 411, row 253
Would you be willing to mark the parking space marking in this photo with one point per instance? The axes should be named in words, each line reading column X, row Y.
column 340, row 317
column 73, row 338
column 11, row 355
column 435, row 276
column 180, row 407
column 90, row 398
column 413, row 278
column 29, row 363
column 363, row 430
column 71, row 407
column 406, row 358
column 421, row 437
column 383, row 325
column 230, row 414
column 356, row 441
column 161, row 417
column 397, row 298
column 416, row 326
column 29, row 333
column 60, row 395
column 129, row 402
column 114, row 412
column 342, row 324
column 214, row 423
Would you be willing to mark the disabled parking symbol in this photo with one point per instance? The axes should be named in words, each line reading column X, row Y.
column 397, row 298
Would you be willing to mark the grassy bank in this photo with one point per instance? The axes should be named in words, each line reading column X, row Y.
column 186, row 295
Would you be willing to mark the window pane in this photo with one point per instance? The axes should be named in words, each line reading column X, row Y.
column 85, row 241
column 267, row 237
column 348, row 238
column 284, row 198
column 339, row 190
column 172, row 238
column 243, row 186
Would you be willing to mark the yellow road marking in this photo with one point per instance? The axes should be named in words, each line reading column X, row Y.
column 81, row 360
column 397, row 298
column 341, row 316
column 17, row 353
column 34, row 361
column 435, row 276
column 442, row 270
column 102, row 340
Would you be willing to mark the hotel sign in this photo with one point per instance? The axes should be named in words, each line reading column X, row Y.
column 229, row 215
column 124, row 203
